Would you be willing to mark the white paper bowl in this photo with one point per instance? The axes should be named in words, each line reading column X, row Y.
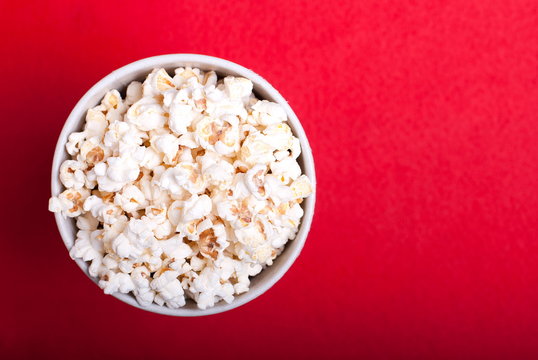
column 119, row 79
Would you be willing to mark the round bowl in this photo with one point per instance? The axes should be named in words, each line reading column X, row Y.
column 137, row 70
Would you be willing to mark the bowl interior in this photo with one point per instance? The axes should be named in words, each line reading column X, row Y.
column 119, row 79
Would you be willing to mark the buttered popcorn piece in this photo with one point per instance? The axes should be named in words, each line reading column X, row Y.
column 183, row 189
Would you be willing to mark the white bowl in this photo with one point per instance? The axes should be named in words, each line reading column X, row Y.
column 137, row 70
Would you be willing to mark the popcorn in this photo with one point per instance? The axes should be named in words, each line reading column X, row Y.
column 96, row 122
column 141, row 278
column 191, row 214
column 74, row 142
column 254, row 179
column 88, row 245
column 166, row 144
column 176, row 250
column 112, row 100
column 87, row 222
column 220, row 135
column 184, row 189
column 134, row 93
column 113, row 282
column 268, row 113
column 195, row 208
column 212, row 240
column 157, row 82
column 279, row 136
column 286, row 170
column 130, row 199
column 238, row 88
column 255, row 243
column 157, row 215
column 216, row 171
column 184, row 176
column 168, row 289
column 101, row 210
column 207, row 289
column 116, row 173
column 181, row 116
column 276, row 190
column 69, row 203
column 136, row 239
column 256, row 150
column 91, row 152
column 146, row 114
column 242, row 273
column 301, row 187
column 72, row 174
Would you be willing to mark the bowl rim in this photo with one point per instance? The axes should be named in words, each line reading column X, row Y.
column 226, row 66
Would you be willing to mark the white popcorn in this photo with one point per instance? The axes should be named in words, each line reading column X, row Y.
column 276, row 191
column 111, row 231
column 157, row 82
column 113, row 282
column 166, row 144
column 268, row 113
column 88, row 245
column 239, row 189
column 151, row 158
column 74, row 142
column 134, row 92
column 175, row 249
column 196, row 207
column 295, row 148
column 112, row 100
column 141, row 278
column 115, row 133
column 279, row 136
column 91, row 151
column 301, row 187
column 236, row 213
column 70, row 202
column 256, row 150
column 162, row 228
column 101, row 210
column 87, row 222
column 238, row 88
column 130, row 199
column 136, row 239
column 96, row 122
column 197, row 264
column 213, row 239
column 191, row 214
column 118, row 173
column 254, row 179
column 188, row 140
column 72, row 174
column 243, row 272
column 168, row 289
column 255, row 243
column 220, row 135
column 181, row 116
column 286, row 170
column 208, row 289
column 216, row 171
column 184, row 74
column 146, row 114
column 185, row 189
column 184, row 176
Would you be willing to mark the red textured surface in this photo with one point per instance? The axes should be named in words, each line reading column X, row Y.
column 423, row 116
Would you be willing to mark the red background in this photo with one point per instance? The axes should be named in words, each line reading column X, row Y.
column 423, row 118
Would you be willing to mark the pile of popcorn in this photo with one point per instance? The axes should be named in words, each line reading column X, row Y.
column 185, row 188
